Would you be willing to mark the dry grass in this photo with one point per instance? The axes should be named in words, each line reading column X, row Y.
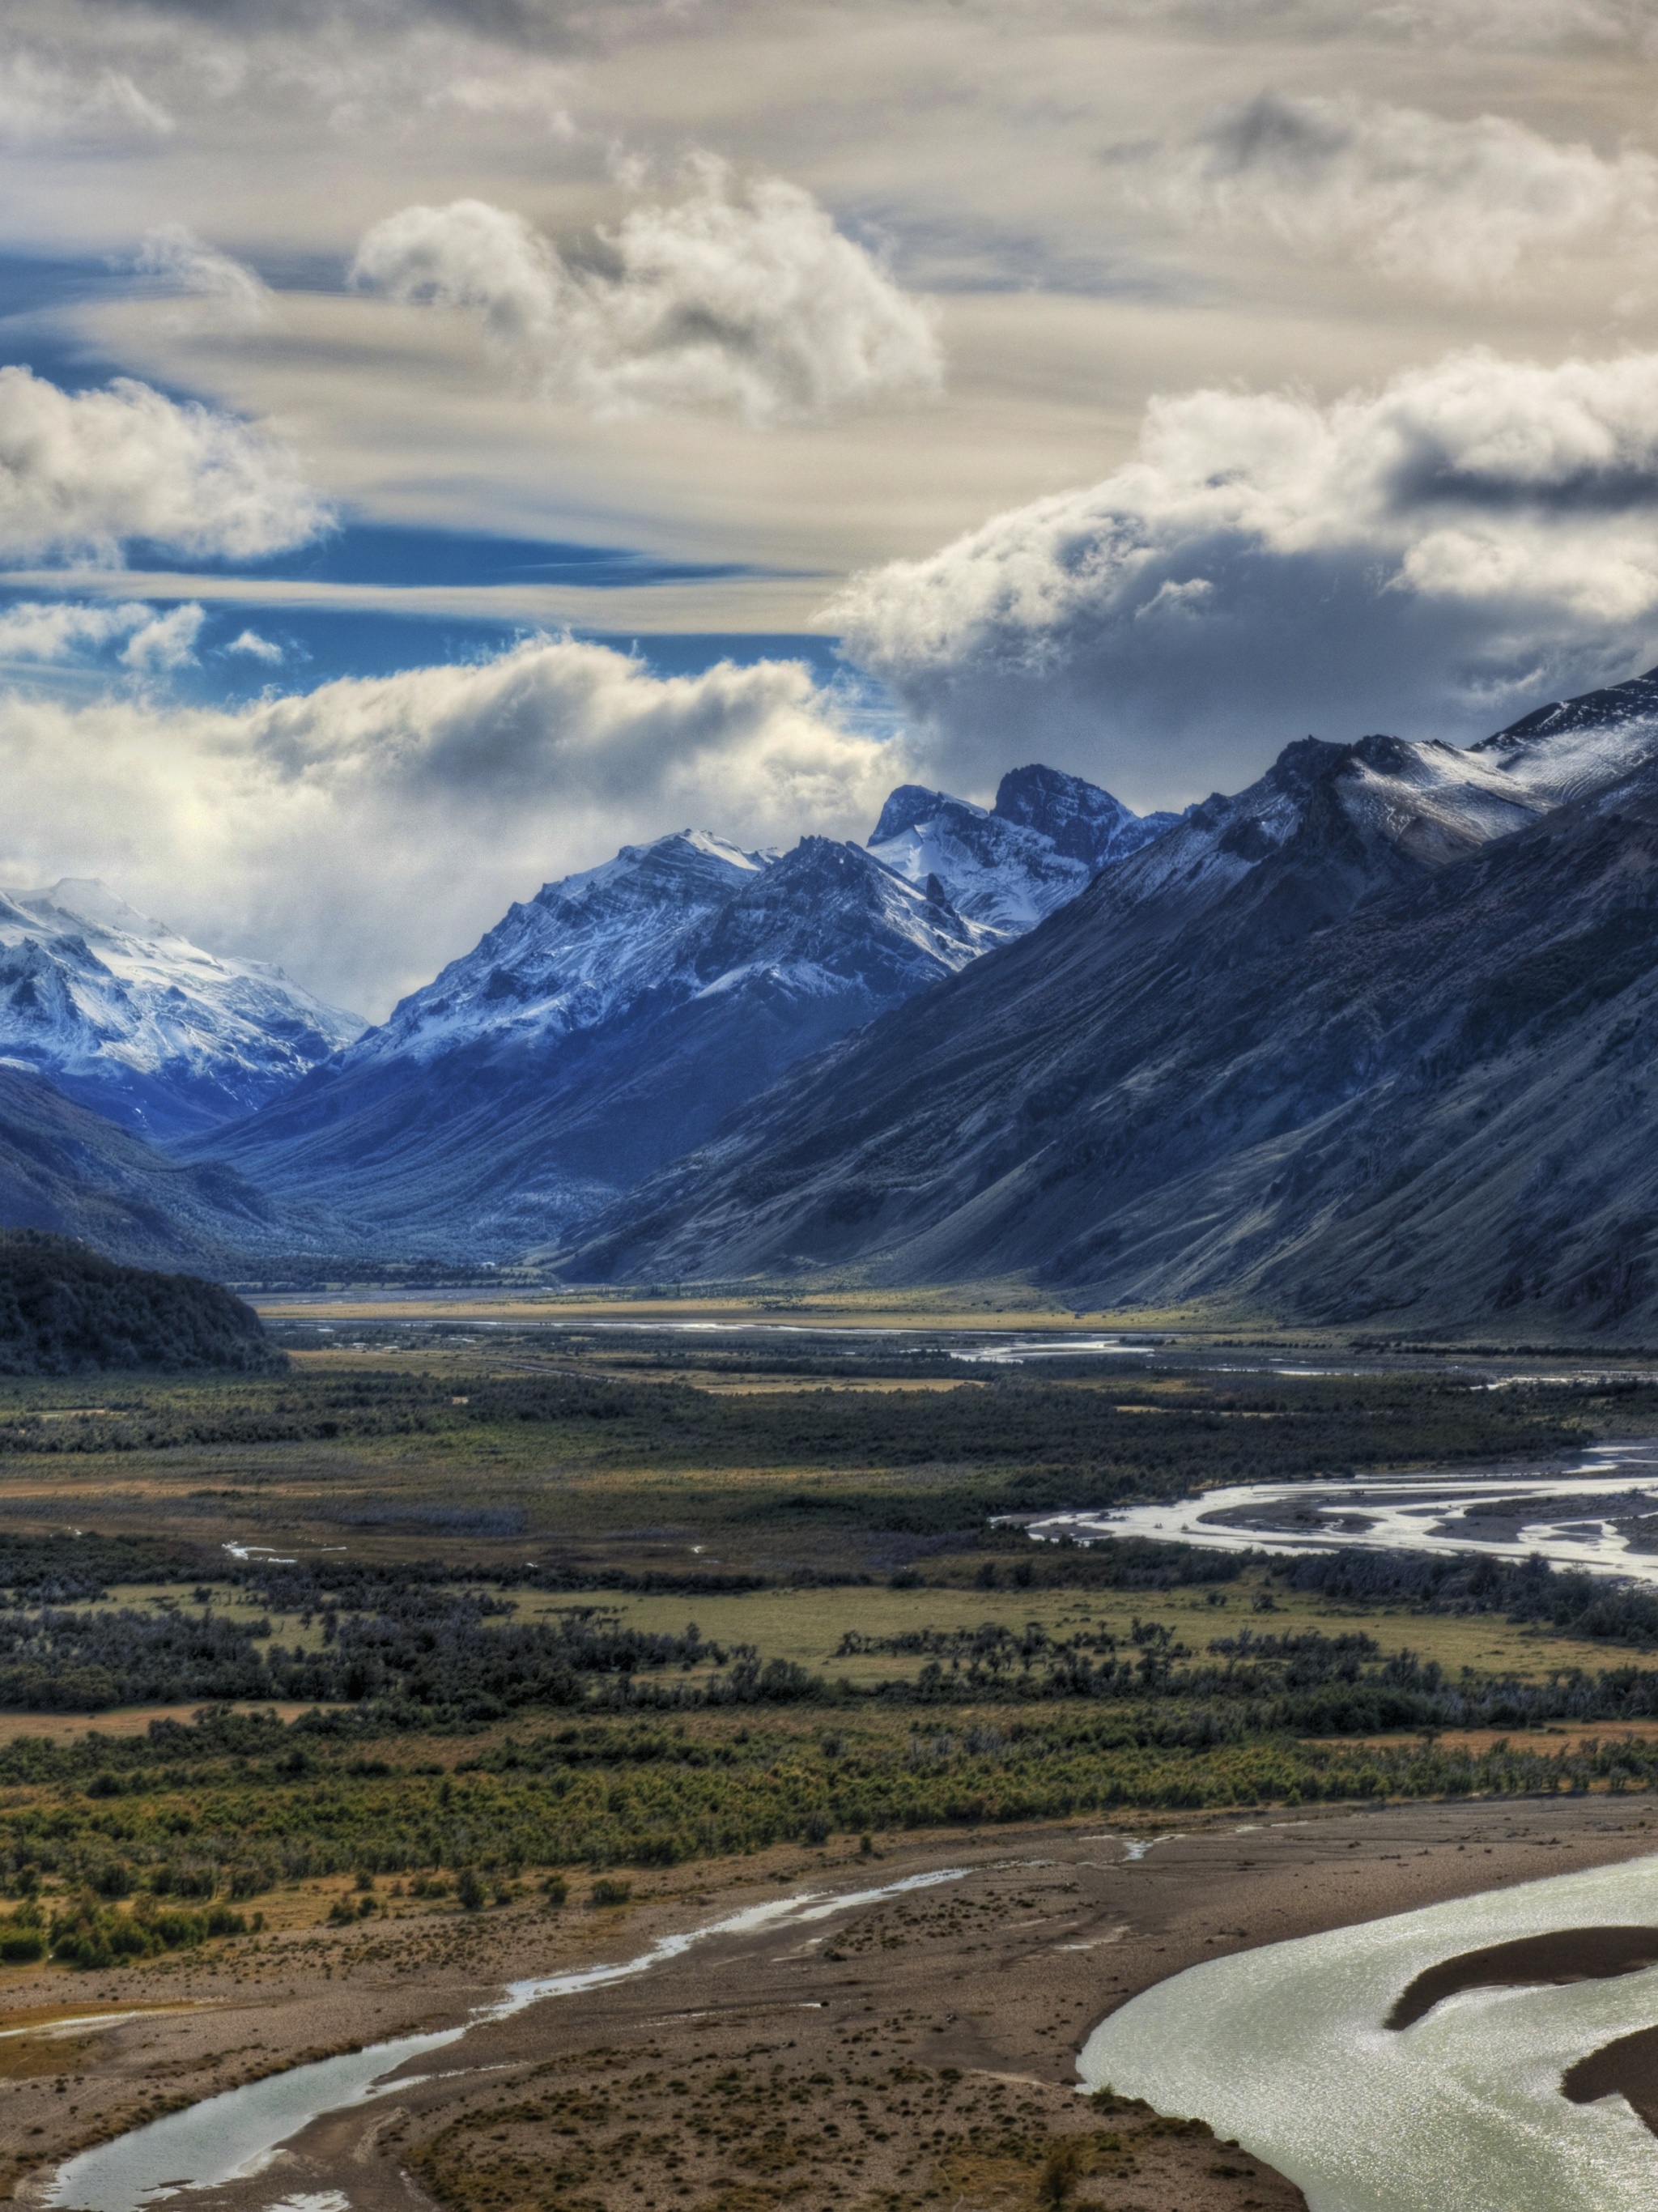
column 806, row 1626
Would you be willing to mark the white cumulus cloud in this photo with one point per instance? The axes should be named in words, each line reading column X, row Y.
column 257, row 648
column 741, row 297
column 80, row 473
column 228, row 291
column 365, row 832
column 1460, row 203
column 63, row 633
column 1425, row 556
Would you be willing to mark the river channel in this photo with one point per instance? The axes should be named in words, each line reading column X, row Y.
column 1286, row 2049
column 232, row 2135
column 1599, row 1514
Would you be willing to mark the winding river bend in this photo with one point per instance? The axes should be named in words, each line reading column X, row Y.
column 1288, row 2049
column 232, row 2135
column 1597, row 1516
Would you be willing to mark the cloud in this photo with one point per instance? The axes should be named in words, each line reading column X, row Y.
column 66, row 632
column 1511, row 26
column 81, row 472
column 1425, row 556
column 257, row 648
column 231, row 293
column 745, row 298
column 44, row 98
column 365, row 832
column 1418, row 196
column 168, row 642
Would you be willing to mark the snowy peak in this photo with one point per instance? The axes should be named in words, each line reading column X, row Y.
column 584, row 949
column 125, row 1016
column 1363, row 813
column 1008, row 868
column 689, row 865
column 833, row 911
column 687, row 915
column 907, row 808
column 1575, row 746
column 84, row 899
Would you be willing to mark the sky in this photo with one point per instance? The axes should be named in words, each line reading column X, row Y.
column 444, row 440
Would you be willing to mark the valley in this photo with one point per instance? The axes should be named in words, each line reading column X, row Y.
column 455, row 1657
column 1361, row 1045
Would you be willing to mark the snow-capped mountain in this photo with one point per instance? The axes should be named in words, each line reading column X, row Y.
column 1360, row 814
column 686, row 919
column 1373, row 1036
column 124, row 1015
column 620, row 1015
column 581, row 950
column 598, row 1030
column 1576, row 745
column 1008, row 866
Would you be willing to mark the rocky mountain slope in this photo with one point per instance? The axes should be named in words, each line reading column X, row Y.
column 65, row 1169
column 619, row 1016
column 129, row 1019
column 1372, row 1037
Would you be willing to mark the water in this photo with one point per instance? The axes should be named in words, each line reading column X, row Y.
column 1415, row 1513
column 1283, row 2049
column 229, row 2136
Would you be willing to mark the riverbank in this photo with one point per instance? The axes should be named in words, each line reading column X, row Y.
column 808, row 2058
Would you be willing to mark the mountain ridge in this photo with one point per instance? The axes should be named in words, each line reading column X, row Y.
column 619, row 1015
column 128, row 1018
column 1105, row 1122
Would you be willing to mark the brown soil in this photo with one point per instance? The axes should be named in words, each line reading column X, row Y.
column 916, row 2052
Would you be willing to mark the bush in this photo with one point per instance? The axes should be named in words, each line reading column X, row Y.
column 607, row 1892
column 22, row 1949
column 470, row 1890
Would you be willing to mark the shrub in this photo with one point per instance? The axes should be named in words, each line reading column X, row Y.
column 605, row 1891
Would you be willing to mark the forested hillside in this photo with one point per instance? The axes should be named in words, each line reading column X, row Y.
column 65, row 1309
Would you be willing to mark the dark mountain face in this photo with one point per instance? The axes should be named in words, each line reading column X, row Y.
column 1085, row 823
column 1370, row 1037
column 66, row 1169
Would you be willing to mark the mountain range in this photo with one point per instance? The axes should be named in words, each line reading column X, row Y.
column 1368, row 1039
column 1374, row 1036
column 594, row 1033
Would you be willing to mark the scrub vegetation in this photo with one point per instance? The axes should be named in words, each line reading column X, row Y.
column 528, row 1622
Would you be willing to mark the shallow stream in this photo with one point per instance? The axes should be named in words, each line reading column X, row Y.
column 1584, row 1518
column 233, row 2135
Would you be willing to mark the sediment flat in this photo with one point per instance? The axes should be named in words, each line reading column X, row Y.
column 927, row 2041
column 1568, row 1954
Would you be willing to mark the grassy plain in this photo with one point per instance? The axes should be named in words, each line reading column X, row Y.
column 777, row 1461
